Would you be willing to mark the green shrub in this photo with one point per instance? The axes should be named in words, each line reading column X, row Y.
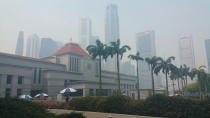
column 114, row 104
column 157, row 105
column 16, row 108
column 71, row 115
column 85, row 103
column 173, row 107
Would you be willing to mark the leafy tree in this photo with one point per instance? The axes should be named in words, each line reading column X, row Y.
column 153, row 62
column 115, row 49
column 98, row 51
column 137, row 58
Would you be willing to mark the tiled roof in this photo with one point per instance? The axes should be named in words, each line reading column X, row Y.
column 71, row 48
column 24, row 57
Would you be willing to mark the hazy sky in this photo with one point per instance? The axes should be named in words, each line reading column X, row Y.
column 58, row 19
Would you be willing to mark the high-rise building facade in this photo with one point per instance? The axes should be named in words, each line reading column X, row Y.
column 207, row 46
column 85, row 32
column 93, row 40
column 186, row 51
column 145, row 44
column 33, row 46
column 127, row 68
column 111, row 32
column 20, row 44
column 48, row 47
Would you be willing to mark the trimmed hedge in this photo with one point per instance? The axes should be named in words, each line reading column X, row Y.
column 52, row 104
column 16, row 108
column 158, row 105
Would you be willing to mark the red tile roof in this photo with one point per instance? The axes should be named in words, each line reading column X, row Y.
column 24, row 57
column 71, row 48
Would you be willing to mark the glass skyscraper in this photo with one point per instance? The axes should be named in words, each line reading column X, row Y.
column 85, row 32
column 20, row 44
column 111, row 33
column 207, row 46
column 145, row 44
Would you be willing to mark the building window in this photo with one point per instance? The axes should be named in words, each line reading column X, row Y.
column 65, row 83
column 8, row 92
column 19, row 92
column 9, row 79
column 20, row 79
column 89, row 66
column 40, row 72
column 57, row 60
column 74, row 64
column 35, row 75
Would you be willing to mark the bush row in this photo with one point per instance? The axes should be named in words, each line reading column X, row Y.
column 158, row 105
column 52, row 104
column 16, row 108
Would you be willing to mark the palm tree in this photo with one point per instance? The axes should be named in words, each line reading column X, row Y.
column 153, row 62
column 181, row 75
column 174, row 76
column 166, row 66
column 137, row 58
column 192, row 73
column 115, row 48
column 98, row 51
column 186, row 73
column 202, row 77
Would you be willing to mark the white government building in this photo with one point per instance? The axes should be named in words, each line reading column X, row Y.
column 70, row 66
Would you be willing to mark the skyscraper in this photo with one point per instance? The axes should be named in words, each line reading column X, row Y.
column 111, row 32
column 85, row 32
column 127, row 68
column 186, row 51
column 93, row 40
column 145, row 44
column 20, row 44
column 48, row 47
column 207, row 46
column 33, row 46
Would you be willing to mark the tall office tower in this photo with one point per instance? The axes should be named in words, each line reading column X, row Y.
column 111, row 32
column 127, row 68
column 145, row 44
column 20, row 44
column 186, row 51
column 93, row 40
column 33, row 46
column 48, row 47
column 85, row 32
column 207, row 46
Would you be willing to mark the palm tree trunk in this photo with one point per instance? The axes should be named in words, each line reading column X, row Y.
column 137, row 70
column 178, row 84
column 186, row 80
column 166, row 83
column 173, row 87
column 118, row 73
column 182, row 82
column 153, row 84
column 206, row 91
column 100, row 82
column 200, row 92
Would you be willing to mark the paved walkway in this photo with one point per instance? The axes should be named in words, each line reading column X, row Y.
column 98, row 114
